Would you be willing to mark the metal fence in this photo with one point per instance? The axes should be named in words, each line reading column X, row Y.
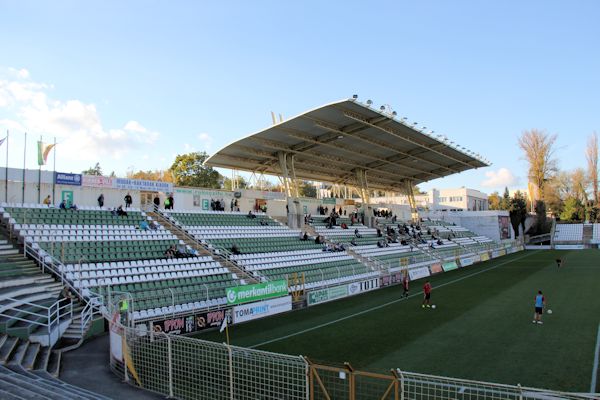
column 186, row 368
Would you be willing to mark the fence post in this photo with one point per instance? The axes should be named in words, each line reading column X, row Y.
column 170, row 349
column 230, row 371
column 520, row 391
column 401, row 376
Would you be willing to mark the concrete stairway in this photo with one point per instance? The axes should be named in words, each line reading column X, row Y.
column 30, row 371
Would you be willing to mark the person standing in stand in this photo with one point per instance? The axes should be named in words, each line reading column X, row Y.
column 128, row 200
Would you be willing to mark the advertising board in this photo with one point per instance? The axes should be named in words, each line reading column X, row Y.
column 259, row 291
column 449, row 266
column 418, row 273
column 436, row 268
column 192, row 323
column 261, row 309
column 61, row 178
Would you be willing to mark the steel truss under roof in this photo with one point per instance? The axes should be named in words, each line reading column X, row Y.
column 344, row 143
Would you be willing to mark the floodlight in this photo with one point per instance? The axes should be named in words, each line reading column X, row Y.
column 394, row 113
column 404, row 119
column 382, row 108
column 369, row 102
column 355, row 96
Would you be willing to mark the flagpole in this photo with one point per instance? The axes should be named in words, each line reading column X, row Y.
column 24, row 157
column 227, row 333
column 54, row 174
column 40, row 169
column 6, row 181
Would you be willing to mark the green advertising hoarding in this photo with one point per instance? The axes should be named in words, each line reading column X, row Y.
column 259, row 291
column 324, row 295
column 449, row 266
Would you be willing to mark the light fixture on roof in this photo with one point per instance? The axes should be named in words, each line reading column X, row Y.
column 415, row 123
column 355, row 96
column 394, row 113
column 431, row 132
column 404, row 119
column 382, row 108
column 369, row 102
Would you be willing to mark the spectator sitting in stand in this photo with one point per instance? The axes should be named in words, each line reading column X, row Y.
column 47, row 201
column 304, row 236
column 121, row 212
column 153, row 225
column 235, row 249
column 144, row 225
column 170, row 252
column 344, row 226
column 63, row 205
column 353, row 242
column 357, row 233
column 251, row 215
column 73, row 207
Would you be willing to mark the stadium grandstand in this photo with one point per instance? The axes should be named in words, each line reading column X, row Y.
column 154, row 276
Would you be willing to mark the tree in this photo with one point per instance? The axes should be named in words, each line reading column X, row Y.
column 552, row 196
column 538, row 149
column 95, row 170
column 307, row 189
column 518, row 212
column 188, row 170
column 573, row 210
column 494, row 201
column 542, row 225
column 591, row 154
column 157, row 175
column 242, row 184
column 505, row 201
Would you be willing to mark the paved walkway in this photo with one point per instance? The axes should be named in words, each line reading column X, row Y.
column 88, row 367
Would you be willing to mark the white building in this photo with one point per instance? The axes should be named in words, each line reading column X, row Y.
column 463, row 199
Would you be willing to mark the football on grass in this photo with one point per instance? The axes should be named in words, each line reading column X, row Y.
column 433, row 306
column 549, row 311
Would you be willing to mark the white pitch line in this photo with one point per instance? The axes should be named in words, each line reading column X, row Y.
column 595, row 369
column 381, row 305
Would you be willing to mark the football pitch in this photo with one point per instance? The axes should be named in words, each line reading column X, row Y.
column 481, row 328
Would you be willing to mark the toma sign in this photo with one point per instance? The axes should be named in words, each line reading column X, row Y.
column 259, row 291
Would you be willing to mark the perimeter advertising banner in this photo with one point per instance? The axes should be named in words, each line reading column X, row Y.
column 338, row 292
column 192, row 323
column 485, row 256
column 465, row 262
column 418, row 273
column 327, row 294
column 261, row 309
column 259, row 291
column 449, row 266
column 436, row 268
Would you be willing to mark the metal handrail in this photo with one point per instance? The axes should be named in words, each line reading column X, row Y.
column 50, row 316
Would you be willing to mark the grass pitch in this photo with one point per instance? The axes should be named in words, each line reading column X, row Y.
column 481, row 329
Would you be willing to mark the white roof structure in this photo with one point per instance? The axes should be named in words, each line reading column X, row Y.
column 332, row 142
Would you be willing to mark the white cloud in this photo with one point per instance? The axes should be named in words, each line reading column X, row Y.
column 206, row 141
column 77, row 125
column 134, row 126
column 500, row 178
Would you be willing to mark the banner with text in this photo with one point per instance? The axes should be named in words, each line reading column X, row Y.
column 259, row 291
column 449, row 266
column 192, row 323
column 418, row 273
column 261, row 309
column 61, row 178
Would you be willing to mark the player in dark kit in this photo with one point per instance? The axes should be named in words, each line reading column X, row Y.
column 558, row 262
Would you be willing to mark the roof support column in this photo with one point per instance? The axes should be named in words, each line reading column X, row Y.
column 410, row 193
column 294, row 215
column 363, row 188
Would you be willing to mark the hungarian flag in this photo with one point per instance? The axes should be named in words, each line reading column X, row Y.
column 43, row 151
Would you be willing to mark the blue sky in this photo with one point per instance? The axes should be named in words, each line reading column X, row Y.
column 132, row 84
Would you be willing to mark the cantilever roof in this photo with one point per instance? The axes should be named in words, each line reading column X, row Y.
column 331, row 142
